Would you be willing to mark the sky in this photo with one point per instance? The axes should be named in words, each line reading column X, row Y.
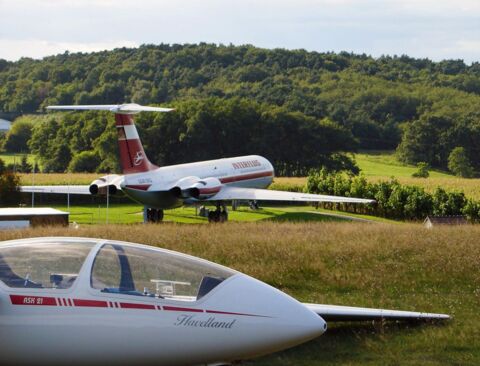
column 435, row 29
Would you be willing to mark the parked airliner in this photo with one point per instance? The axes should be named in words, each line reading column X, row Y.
column 84, row 301
column 157, row 188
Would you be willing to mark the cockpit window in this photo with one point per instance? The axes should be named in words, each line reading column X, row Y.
column 42, row 265
column 152, row 273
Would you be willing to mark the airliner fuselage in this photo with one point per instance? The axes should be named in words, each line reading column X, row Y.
column 168, row 182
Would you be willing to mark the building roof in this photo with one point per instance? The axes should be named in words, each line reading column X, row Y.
column 446, row 220
column 5, row 125
column 24, row 211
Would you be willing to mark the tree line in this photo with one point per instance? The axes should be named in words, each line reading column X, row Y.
column 393, row 200
column 425, row 109
column 197, row 130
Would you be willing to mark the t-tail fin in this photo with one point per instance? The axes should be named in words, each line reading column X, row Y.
column 132, row 155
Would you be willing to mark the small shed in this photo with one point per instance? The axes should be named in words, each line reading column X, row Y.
column 30, row 217
column 431, row 221
column 5, row 125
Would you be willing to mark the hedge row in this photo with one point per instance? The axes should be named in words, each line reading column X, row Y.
column 393, row 200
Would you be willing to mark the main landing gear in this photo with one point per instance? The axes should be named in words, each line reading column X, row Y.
column 219, row 215
column 153, row 215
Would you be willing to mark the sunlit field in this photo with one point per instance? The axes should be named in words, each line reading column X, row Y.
column 58, row 178
column 374, row 265
column 132, row 213
column 385, row 163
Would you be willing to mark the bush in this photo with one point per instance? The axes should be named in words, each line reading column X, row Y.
column 422, row 171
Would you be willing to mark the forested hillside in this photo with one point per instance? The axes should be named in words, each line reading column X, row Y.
column 236, row 99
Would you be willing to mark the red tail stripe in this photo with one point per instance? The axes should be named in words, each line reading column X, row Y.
column 132, row 154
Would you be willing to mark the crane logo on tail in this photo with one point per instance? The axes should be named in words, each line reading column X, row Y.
column 138, row 158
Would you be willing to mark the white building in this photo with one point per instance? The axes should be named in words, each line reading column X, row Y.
column 5, row 125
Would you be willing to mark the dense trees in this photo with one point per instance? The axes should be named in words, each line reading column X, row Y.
column 197, row 130
column 425, row 108
column 459, row 164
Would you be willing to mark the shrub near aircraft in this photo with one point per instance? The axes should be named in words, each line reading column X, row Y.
column 214, row 181
column 84, row 301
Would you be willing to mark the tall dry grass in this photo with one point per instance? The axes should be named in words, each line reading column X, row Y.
column 376, row 265
column 28, row 179
column 338, row 255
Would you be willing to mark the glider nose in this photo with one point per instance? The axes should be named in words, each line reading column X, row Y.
column 267, row 320
column 306, row 324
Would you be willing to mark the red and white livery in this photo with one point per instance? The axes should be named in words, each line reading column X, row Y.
column 84, row 301
column 219, row 181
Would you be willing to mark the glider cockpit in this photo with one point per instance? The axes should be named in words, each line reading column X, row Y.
column 109, row 267
column 143, row 272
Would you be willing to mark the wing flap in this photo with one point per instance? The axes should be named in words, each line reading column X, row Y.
column 348, row 313
column 57, row 189
column 238, row 193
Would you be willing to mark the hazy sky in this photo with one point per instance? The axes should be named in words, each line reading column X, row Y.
column 436, row 29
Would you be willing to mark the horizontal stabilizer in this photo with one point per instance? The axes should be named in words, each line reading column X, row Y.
column 238, row 193
column 348, row 313
column 130, row 108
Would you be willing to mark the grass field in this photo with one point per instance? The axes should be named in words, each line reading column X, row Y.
column 88, row 214
column 385, row 164
column 390, row 266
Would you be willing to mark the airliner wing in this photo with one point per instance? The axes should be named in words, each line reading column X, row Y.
column 56, row 189
column 348, row 313
column 237, row 193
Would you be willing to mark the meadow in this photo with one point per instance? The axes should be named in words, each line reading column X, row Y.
column 403, row 267
column 132, row 213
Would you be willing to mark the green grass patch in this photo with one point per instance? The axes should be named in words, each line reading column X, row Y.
column 93, row 214
column 385, row 163
column 15, row 158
